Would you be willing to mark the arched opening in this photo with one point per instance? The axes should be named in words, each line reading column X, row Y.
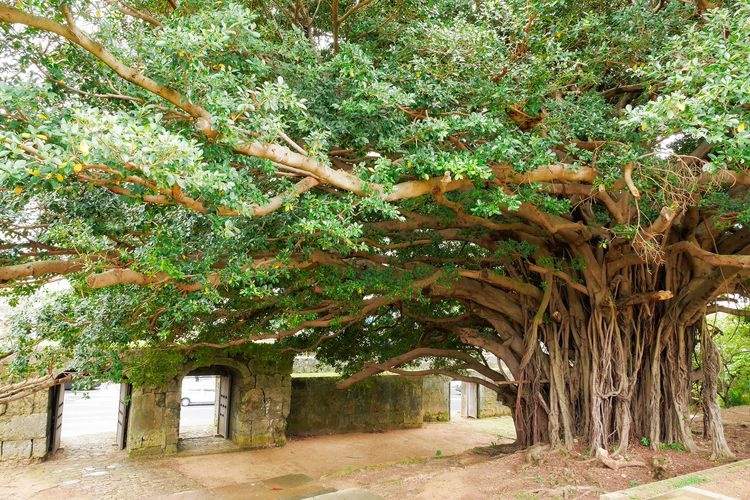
column 206, row 409
column 199, row 406
column 454, row 400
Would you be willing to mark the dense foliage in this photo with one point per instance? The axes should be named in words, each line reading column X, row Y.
column 733, row 341
column 561, row 183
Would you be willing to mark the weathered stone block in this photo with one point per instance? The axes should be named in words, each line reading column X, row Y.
column 41, row 402
column 160, row 399
column 23, row 427
column 39, row 448
column 146, row 438
column 141, row 452
column 442, row 416
column 262, row 440
column 23, row 406
column 173, row 399
column 16, row 450
column 255, row 398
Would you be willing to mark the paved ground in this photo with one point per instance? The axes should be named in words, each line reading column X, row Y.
column 91, row 468
column 726, row 481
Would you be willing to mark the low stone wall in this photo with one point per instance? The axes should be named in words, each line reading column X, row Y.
column 436, row 398
column 489, row 406
column 23, row 428
column 377, row 404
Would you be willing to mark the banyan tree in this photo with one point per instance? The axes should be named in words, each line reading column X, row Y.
column 397, row 185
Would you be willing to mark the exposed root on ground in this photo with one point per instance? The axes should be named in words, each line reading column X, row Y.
column 616, row 463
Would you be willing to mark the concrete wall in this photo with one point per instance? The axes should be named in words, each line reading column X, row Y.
column 377, row 404
column 23, row 428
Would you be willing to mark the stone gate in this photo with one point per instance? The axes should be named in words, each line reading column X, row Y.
column 256, row 399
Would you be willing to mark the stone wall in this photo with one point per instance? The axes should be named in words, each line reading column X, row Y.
column 436, row 398
column 377, row 404
column 489, row 406
column 154, row 424
column 23, row 428
column 260, row 406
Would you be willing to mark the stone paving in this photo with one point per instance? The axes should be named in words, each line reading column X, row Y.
column 92, row 470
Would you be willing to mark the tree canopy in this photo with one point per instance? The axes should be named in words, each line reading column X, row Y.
column 562, row 184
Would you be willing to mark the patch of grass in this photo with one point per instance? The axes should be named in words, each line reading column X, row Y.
column 672, row 446
column 634, row 483
column 645, row 441
column 439, row 453
column 689, row 481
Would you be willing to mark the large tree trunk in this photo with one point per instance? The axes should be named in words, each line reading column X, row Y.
column 615, row 374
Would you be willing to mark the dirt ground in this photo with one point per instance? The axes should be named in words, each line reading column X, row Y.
column 435, row 461
column 576, row 475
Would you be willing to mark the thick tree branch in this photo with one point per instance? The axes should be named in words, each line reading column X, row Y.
column 718, row 308
column 643, row 298
column 504, row 282
column 421, row 352
column 39, row 268
column 741, row 261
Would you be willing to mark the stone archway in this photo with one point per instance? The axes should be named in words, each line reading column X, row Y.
column 233, row 379
column 257, row 406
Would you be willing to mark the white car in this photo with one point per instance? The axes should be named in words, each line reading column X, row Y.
column 198, row 390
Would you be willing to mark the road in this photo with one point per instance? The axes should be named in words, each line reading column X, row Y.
column 95, row 412
column 455, row 401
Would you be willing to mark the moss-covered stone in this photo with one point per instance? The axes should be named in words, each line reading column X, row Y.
column 382, row 403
